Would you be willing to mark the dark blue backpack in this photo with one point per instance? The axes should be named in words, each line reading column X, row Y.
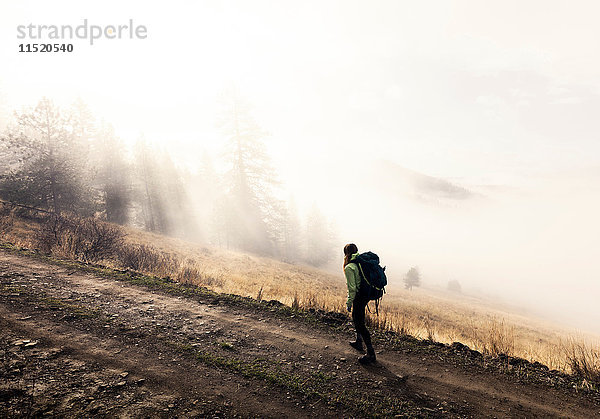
column 373, row 279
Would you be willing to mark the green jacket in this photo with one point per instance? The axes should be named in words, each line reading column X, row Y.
column 352, row 280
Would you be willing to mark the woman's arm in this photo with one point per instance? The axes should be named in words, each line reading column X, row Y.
column 352, row 283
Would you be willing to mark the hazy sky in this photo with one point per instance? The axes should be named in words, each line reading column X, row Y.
column 479, row 92
column 487, row 91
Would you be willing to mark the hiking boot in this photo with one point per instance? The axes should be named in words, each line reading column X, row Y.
column 369, row 358
column 358, row 345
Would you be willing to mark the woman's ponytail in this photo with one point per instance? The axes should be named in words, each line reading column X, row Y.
column 349, row 250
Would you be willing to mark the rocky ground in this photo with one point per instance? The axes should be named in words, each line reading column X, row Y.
column 80, row 340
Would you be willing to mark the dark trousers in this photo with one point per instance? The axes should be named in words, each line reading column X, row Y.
column 358, row 317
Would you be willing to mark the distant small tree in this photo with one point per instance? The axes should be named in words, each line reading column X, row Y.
column 412, row 278
column 454, row 286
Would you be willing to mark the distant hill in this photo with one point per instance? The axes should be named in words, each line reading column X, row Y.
column 419, row 186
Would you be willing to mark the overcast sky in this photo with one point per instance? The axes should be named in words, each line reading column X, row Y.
column 479, row 92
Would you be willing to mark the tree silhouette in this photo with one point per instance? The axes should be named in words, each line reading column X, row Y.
column 252, row 221
column 319, row 238
column 412, row 278
column 111, row 174
column 291, row 246
column 47, row 161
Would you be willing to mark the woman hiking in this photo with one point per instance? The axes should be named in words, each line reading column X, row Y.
column 357, row 304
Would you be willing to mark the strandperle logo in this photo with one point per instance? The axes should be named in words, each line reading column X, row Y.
column 82, row 31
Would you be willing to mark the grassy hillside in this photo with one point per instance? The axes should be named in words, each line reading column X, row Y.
column 428, row 314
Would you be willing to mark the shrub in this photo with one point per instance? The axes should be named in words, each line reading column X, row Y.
column 188, row 275
column 584, row 361
column 6, row 219
column 144, row 258
column 85, row 239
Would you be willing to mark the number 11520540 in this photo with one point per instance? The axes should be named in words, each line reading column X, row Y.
column 45, row 47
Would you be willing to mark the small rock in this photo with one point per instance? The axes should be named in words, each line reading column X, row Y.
column 140, row 381
column 343, row 359
column 30, row 344
column 121, row 384
column 124, row 374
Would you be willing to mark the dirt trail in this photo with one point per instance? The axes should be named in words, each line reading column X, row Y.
column 74, row 343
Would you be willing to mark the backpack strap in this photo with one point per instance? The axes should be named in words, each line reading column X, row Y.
column 376, row 307
column 365, row 277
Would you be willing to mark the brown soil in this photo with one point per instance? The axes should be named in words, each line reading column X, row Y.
column 80, row 341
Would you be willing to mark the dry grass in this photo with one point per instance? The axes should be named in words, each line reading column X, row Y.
column 427, row 314
column 583, row 359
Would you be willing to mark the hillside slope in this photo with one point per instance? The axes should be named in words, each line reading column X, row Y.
column 81, row 340
column 483, row 325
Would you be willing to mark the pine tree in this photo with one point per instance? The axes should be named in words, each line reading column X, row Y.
column 161, row 195
column 146, row 186
column 253, row 220
column 319, row 239
column 204, row 187
column 175, row 204
column 48, row 162
column 292, row 234
column 111, row 174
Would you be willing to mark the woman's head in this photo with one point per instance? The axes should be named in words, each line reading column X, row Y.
column 349, row 250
